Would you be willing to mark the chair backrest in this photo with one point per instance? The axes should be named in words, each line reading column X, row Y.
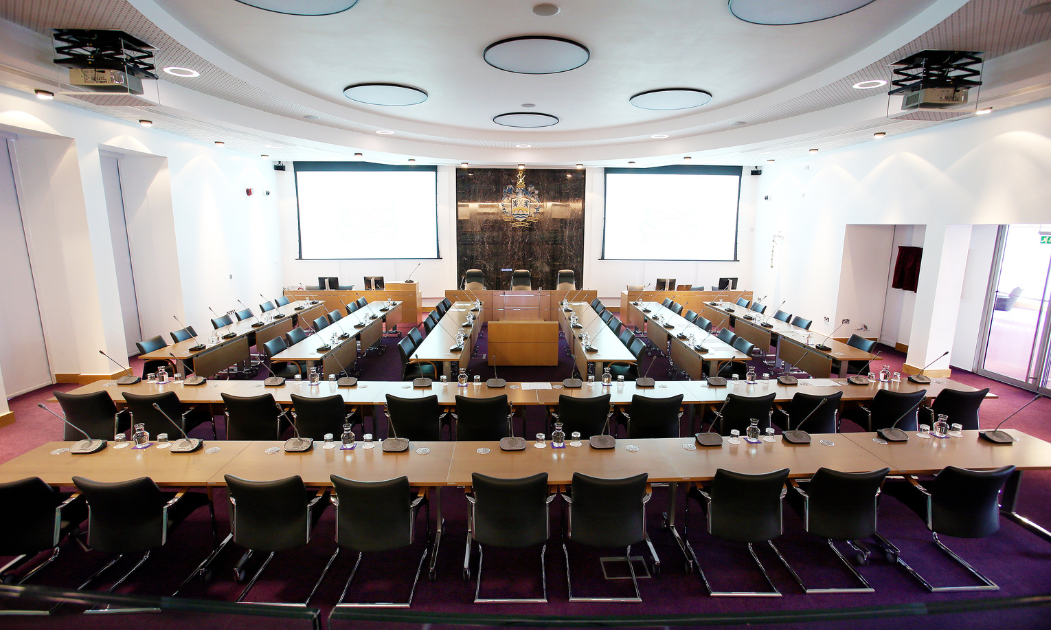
column 251, row 417
column 266, row 307
column 742, row 302
column 482, row 418
column 353, row 306
column 321, row 323
column 335, row 316
column 625, row 335
column 865, row 345
column 243, row 314
column 703, row 322
column 600, row 308
column 223, row 320
column 28, row 526
column 961, row 407
column 608, row 512
column 586, row 415
column 317, row 416
column 606, row 316
column 125, row 516
column 183, row 334
column 151, row 344
column 676, row 308
column 269, row 515
column 362, row 301
column 823, row 420
column 273, row 346
column 964, row 503
column 636, row 287
column 841, row 505
column 726, row 336
column 743, row 345
column 614, row 324
column 93, row 413
column 521, row 280
column 429, row 324
column 888, row 406
column 296, row 335
column 510, row 513
column 636, row 348
column 801, row 323
column 783, row 316
column 448, row 303
column 654, row 417
column 689, row 315
column 441, row 309
column 665, row 284
column 416, row 336
column 746, row 508
column 386, row 525
column 474, row 280
column 405, row 349
column 758, row 308
column 142, row 412
column 596, row 303
column 739, row 411
column 666, row 303
column 281, row 301
column 418, row 419
column 567, row 280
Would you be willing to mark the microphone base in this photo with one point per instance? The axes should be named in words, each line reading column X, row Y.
column 716, row 381
column 795, row 436
column 997, row 437
column 87, row 447
column 279, row 316
column 710, row 440
column 345, row 336
column 766, row 325
column 700, row 350
column 893, row 435
column 299, row 308
column 257, row 325
column 324, row 348
column 573, row 383
column 822, row 347
column 197, row 348
column 128, row 380
column 274, row 381
column 421, row 382
column 347, row 381
column 919, row 379
column 787, row 380
column 186, row 445
column 194, row 381
column 858, row 380
column 602, row 442
column 645, row 381
column 229, row 335
column 298, row 445
column 395, row 445
column 409, row 281
column 496, row 383
column 512, row 444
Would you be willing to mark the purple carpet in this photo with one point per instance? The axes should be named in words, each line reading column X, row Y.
column 1013, row 558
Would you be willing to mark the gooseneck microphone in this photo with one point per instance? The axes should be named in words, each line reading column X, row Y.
column 394, row 444
column 345, row 381
column 295, row 444
column 646, row 381
column 788, row 379
column 920, row 378
column 996, row 436
column 604, row 440
column 766, row 318
column 244, row 305
column 83, row 447
column 409, row 279
column 197, row 346
column 129, row 379
column 859, row 378
column 512, row 443
column 821, row 346
column 893, row 433
column 273, row 380
column 797, row 435
column 715, row 300
column 188, row 380
column 638, row 298
column 186, row 444
column 708, row 438
column 496, row 382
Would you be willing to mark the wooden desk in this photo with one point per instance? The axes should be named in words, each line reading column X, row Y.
column 693, row 300
column 408, row 294
column 436, row 346
column 500, row 305
column 527, row 342
column 607, row 347
column 683, row 355
column 343, row 351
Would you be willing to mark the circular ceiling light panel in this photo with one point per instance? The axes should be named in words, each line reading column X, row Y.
column 671, row 98
column 536, row 54
column 186, row 73
column 302, row 7
column 781, row 13
column 869, row 85
column 384, row 132
column 525, row 120
column 390, row 94
column 546, row 9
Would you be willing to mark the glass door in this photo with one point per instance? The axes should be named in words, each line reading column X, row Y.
column 1016, row 326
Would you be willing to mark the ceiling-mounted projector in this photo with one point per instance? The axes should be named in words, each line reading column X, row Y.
column 936, row 79
column 104, row 61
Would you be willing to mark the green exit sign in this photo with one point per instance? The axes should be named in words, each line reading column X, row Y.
column 1045, row 240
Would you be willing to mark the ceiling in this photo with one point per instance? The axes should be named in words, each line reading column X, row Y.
column 289, row 73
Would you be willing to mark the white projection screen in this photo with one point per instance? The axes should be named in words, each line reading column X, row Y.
column 672, row 213
column 366, row 211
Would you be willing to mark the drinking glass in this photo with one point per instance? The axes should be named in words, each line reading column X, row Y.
column 925, row 431
column 540, row 440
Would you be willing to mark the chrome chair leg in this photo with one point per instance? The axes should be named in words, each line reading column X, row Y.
column 321, row 579
column 113, row 587
column 412, row 591
column 653, row 554
column 20, row 561
column 772, row 593
column 634, row 581
column 987, row 584
column 531, row 600
column 99, row 573
column 204, row 569
column 251, row 583
column 864, row 588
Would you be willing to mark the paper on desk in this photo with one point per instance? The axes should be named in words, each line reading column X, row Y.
column 820, row 382
column 529, row 386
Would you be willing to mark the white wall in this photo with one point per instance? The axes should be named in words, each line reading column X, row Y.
column 863, row 280
column 972, row 299
column 992, row 169
column 900, row 304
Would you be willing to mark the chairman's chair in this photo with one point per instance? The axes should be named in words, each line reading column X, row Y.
column 141, row 410
column 272, row 516
column 284, row 369
column 636, row 287
column 664, row 284
column 482, row 419
column 510, row 514
column 820, row 417
column 567, row 280
column 474, row 280
column 411, row 370
column 887, row 407
column 183, row 334
column 415, row 419
column 840, row 506
column 93, row 413
column 957, row 502
column 742, row 508
column 152, row 345
column 739, row 411
column 222, row 320
column 252, row 418
column 608, row 513
column 282, row 301
column 801, row 322
column 521, row 280
column 243, row 314
column 388, row 524
column 960, row 407
column 587, row 416
column 653, row 417
column 314, row 417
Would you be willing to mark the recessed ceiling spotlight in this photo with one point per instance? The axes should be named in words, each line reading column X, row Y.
column 546, row 9
column 44, row 95
column 389, row 94
column 357, row 155
column 869, row 85
column 528, row 105
column 146, row 123
column 536, row 54
column 659, row 136
column 185, row 73
column 671, row 98
column 302, row 7
column 525, row 120
column 569, row 175
column 769, row 160
column 412, row 159
column 312, row 117
column 220, row 144
column 687, row 157
column 384, row 132
column 879, row 134
column 1037, row 9
column 813, row 150
column 521, row 167
column 580, row 166
column 781, row 13
column 264, row 155
column 987, row 110
column 463, row 164
column 630, row 163
column 523, row 146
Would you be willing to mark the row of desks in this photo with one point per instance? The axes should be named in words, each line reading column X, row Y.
column 364, row 324
column 437, row 347
column 684, row 354
column 605, row 349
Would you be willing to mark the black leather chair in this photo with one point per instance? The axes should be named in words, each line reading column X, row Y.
column 605, row 316
column 737, row 412
column 886, row 407
column 676, row 308
column 335, row 316
column 132, row 517
column 388, row 524
column 630, row 371
column 595, row 304
column 689, row 315
column 704, row 323
column 742, row 302
column 626, row 336
column 441, row 309
column 448, row 303
column 282, row 301
column 151, row 345
column 484, row 419
column 758, row 308
column 353, row 306
column 362, row 301
column 666, row 303
column 960, row 503
column 410, row 370
column 417, row 419
column 266, row 307
column 856, row 367
column 510, row 514
column 960, row 407
column 416, row 336
column 801, row 323
column 614, row 324
column 93, row 413
column 474, row 280
column 745, row 509
column 783, row 316
column 840, row 506
column 285, row 369
column 183, row 334
column 430, row 323
column 140, row 408
column 589, row 416
column 321, row 323
column 244, row 314
column 823, row 419
column 521, row 280
column 567, row 280
column 272, row 516
column 253, row 418
column 222, row 320
column 36, row 519
column 296, row 335
column 654, row 417
column 733, row 367
column 726, row 335
column 607, row 513
column 314, row 417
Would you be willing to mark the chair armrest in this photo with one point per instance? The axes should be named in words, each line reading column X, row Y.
column 187, row 412
column 795, row 485
column 625, row 414
column 567, row 498
column 865, row 409
column 649, row 494
column 317, row 497
column 916, row 484
column 554, row 415
column 175, row 499
column 421, row 494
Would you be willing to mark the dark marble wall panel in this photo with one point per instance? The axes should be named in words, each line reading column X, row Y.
column 549, row 236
